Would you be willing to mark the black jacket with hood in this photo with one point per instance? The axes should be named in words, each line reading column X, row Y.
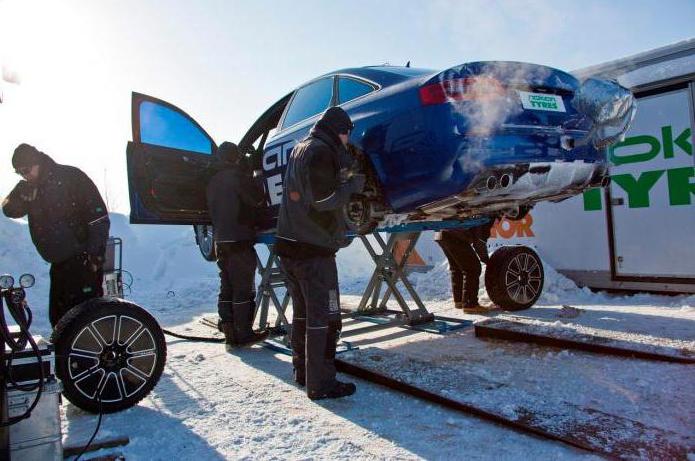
column 310, row 220
column 233, row 196
column 67, row 217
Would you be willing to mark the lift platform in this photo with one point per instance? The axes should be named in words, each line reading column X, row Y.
column 389, row 280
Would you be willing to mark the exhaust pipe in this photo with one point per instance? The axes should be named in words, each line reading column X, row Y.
column 505, row 181
column 567, row 142
column 491, row 183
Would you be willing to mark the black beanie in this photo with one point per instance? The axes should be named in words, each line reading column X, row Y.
column 228, row 152
column 337, row 120
column 26, row 155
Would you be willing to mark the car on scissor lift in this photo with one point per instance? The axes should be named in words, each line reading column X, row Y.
column 484, row 139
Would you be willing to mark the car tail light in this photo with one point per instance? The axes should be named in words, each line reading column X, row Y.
column 462, row 89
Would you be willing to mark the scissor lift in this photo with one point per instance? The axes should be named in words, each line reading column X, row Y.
column 272, row 278
column 389, row 273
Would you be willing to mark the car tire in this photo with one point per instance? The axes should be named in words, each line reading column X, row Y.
column 204, row 240
column 111, row 345
column 514, row 277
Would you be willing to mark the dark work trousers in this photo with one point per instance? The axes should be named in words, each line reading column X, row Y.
column 72, row 282
column 316, row 324
column 235, row 304
column 464, row 268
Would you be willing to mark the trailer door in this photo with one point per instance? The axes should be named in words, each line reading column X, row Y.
column 653, row 191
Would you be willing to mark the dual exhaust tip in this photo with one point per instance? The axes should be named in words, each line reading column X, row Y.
column 503, row 182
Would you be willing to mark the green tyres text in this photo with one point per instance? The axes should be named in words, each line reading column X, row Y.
column 681, row 184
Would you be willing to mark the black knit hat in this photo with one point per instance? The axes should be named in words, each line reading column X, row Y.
column 337, row 120
column 228, row 152
column 26, row 155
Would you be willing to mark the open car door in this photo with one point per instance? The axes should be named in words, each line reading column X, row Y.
column 169, row 164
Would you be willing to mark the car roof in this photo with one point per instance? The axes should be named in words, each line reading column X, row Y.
column 384, row 75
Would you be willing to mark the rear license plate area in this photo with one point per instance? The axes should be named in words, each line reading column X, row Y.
column 541, row 101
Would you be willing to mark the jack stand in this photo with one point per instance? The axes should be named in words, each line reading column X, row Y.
column 271, row 279
column 390, row 271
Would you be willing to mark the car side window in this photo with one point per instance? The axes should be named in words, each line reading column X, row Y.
column 349, row 89
column 309, row 101
column 163, row 126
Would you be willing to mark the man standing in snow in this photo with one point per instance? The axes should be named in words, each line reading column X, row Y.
column 233, row 196
column 311, row 229
column 465, row 249
column 69, row 225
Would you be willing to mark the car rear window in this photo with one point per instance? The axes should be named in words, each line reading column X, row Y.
column 350, row 88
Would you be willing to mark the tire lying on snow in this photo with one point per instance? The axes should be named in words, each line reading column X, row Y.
column 514, row 277
column 110, row 353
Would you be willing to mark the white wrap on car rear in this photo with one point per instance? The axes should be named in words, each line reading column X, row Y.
column 610, row 107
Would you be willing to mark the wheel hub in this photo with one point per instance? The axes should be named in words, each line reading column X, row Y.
column 113, row 358
column 524, row 278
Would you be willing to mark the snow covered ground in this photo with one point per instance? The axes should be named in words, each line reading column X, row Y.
column 211, row 404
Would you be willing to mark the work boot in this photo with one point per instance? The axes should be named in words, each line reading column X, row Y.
column 253, row 338
column 477, row 308
column 338, row 390
column 243, row 333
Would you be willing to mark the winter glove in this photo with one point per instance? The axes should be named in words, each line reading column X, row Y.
column 357, row 182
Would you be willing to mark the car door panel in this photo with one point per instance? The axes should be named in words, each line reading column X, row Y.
column 169, row 163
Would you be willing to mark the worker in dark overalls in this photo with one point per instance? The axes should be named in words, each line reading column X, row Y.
column 311, row 229
column 233, row 196
column 465, row 249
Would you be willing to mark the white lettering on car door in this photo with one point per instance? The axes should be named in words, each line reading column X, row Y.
column 274, row 159
column 271, row 157
column 274, row 185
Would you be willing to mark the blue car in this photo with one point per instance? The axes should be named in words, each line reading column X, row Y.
column 483, row 139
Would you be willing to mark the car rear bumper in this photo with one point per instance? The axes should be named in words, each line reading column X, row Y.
column 509, row 186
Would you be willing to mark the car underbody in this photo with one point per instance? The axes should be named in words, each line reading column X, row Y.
column 503, row 190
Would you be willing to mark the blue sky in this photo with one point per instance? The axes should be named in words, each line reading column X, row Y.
column 224, row 62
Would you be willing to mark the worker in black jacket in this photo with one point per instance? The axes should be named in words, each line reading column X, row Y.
column 311, row 229
column 233, row 196
column 68, row 222
column 465, row 249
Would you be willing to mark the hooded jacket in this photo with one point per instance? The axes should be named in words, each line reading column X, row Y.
column 67, row 217
column 310, row 220
column 233, row 198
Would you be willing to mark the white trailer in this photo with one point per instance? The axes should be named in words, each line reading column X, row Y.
column 637, row 234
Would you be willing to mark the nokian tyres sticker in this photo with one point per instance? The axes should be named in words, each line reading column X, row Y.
column 540, row 101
